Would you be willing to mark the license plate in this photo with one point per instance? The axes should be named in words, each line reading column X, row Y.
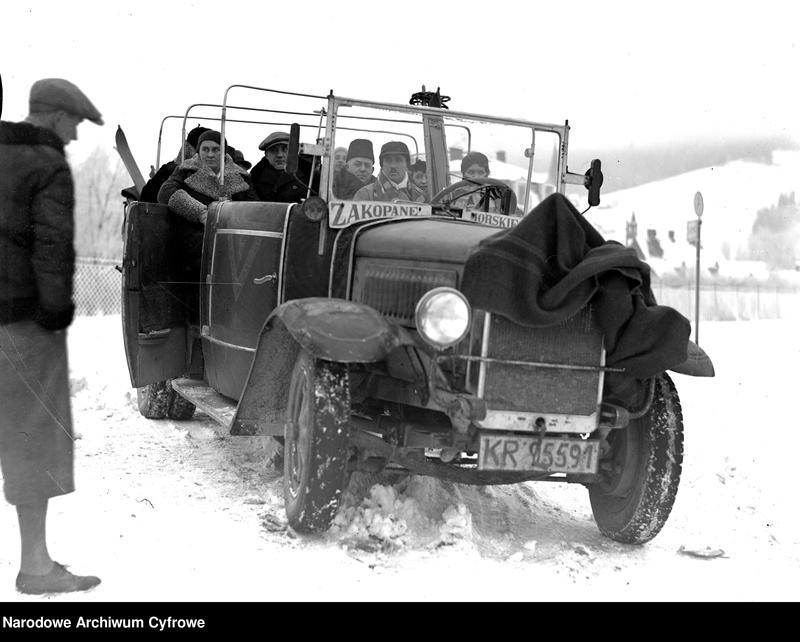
column 547, row 454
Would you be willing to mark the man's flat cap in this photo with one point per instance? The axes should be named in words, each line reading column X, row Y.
column 275, row 138
column 57, row 93
column 395, row 147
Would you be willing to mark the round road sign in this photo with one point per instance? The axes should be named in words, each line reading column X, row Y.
column 698, row 204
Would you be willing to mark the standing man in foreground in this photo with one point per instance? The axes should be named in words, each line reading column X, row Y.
column 37, row 260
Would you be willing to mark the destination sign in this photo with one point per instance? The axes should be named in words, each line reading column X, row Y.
column 345, row 213
column 490, row 218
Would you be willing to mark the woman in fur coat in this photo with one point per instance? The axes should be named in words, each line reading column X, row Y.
column 192, row 187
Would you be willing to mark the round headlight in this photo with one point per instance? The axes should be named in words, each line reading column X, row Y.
column 314, row 208
column 443, row 317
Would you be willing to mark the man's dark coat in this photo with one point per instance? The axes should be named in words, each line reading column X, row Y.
column 37, row 258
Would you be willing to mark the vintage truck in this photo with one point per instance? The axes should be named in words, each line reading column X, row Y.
column 419, row 336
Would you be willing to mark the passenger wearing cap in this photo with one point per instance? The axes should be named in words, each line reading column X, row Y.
column 358, row 170
column 37, row 261
column 393, row 183
column 418, row 173
column 270, row 179
column 240, row 160
column 150, row 190
column 476, row 165
column 193, row 186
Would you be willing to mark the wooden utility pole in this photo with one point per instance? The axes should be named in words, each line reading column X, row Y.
column 698, row 209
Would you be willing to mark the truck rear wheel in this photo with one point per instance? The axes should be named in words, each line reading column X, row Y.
column 180, row 408
column 316, row 442
column 154, row 400
column 158, row 400
column 643, row 468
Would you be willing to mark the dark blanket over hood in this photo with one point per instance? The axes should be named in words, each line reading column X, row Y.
column 553, row 263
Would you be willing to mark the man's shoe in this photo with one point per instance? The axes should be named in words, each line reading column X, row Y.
column 58, row 580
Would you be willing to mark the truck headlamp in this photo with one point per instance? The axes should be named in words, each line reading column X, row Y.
column 314, row 208
column 443, row 317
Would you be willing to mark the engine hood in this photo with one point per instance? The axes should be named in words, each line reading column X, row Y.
column 423, row 240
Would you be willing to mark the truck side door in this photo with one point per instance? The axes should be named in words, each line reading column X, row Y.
column 241, row 263
column 153, row 317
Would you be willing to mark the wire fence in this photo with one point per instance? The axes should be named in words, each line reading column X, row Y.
column 730, row 302
column 98, row 286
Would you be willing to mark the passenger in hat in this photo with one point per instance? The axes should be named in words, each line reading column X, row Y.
column 193, row 186
column 357, row 173
column 36, row 279
column 419, row 176
column 393, row 183
column 188, row 149
column 239, row 159
column 270, row 179
column 476, row 165
column 339, row 158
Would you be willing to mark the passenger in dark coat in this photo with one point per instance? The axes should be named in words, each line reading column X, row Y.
column 357, row 171
column 150, row 190
column 393, row 182
column 188, row 192
column 37, row 260
column 270, row 179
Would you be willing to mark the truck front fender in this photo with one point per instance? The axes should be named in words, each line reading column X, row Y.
column 697, row 364
column 339, row 330
column 330, row 329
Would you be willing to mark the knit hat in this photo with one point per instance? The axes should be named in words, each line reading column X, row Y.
column 275, row 138
column 395, row 147
column 210, row 135
column 418, row 166
column 361, row 148
column 50, row 94
column 474, row 158
column 193, row 135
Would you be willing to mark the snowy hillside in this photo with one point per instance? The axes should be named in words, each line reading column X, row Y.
column 733, row 193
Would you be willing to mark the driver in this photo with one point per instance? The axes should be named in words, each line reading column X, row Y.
column 476, row 165
column 393, row 182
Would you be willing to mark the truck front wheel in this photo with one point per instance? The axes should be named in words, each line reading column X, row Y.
column 316, row 442
column 641, row 471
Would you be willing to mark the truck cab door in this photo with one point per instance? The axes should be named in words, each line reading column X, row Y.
column 153, row 317
column 241, row 261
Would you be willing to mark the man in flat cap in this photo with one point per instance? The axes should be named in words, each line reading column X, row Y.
column 357, row 171
column 393, row 183
column 36, row 235
column 270, row 179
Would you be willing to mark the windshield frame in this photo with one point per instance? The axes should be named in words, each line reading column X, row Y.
column 336, row 102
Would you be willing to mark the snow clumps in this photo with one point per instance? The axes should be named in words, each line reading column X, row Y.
column 381, row 517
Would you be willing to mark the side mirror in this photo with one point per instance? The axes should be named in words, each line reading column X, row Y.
column 293, row 153
column 593, row 181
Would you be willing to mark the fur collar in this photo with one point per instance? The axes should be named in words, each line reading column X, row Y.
column 28, row 134
column 204, row 181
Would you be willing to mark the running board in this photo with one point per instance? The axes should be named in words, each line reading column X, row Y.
column 220, row 408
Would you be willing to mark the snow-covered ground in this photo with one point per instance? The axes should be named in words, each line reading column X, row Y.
column 170, row 510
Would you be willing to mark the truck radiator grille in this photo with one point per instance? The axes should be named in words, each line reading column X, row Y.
column 576, row 341
column 395, row 291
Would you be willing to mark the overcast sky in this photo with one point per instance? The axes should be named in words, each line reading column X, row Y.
column 629, row 73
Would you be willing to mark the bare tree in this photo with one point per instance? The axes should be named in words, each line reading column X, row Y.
column 98, row 210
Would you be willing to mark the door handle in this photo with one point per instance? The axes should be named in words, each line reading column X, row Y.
column 266, row 278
